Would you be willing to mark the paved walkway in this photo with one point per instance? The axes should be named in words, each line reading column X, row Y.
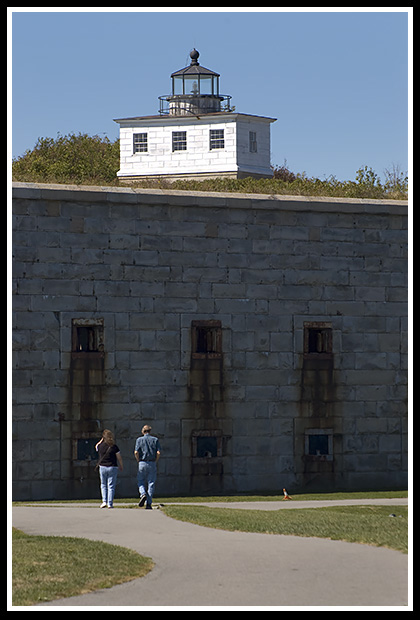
column 201, row 567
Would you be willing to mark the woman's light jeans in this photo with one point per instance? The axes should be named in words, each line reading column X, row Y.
column 146, row 478
column 108, row 476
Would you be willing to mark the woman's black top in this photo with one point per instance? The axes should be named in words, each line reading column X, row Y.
column 107, row 454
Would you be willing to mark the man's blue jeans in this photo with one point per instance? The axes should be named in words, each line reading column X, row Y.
column 108, row 476
column 146, row 478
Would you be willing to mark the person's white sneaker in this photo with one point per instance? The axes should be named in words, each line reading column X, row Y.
column 103, row 505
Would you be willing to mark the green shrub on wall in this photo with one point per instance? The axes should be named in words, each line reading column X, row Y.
column 94, row 160
column 69, row 159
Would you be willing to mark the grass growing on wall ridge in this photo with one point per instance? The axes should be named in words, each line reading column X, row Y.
column 94, row 160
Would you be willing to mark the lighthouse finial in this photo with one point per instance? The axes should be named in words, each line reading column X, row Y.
column 194, row 57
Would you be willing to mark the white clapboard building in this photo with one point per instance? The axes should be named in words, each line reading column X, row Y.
column 197, row 134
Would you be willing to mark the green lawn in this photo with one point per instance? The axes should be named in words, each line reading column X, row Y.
column 371, row 525
column 296, row 496
column 236, row 498
column 50, row 567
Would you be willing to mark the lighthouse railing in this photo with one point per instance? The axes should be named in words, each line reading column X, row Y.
column 191, row 104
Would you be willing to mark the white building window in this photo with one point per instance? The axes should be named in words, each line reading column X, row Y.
column 179, row 141
column 140, row 143
column 217, row 139
column 252, row 141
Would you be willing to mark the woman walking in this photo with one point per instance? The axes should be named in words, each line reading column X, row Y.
column 109, row 461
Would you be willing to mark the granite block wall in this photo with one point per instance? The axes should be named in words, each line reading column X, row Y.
column 262, row 337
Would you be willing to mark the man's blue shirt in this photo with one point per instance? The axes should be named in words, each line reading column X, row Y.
column 147, row 446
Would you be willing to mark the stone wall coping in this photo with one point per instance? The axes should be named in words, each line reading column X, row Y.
column 110, row 194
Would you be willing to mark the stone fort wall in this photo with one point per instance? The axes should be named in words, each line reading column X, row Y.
column 262, row 337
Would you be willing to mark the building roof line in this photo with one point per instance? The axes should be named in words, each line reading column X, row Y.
column 184, row 117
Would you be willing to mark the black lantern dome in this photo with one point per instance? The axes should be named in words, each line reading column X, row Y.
column 195, row 90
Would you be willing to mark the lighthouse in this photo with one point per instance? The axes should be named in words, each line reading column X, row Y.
column 197, row 134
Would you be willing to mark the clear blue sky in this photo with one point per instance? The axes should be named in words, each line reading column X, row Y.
column 337, row 81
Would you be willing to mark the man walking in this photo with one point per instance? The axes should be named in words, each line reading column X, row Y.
column 147, row 453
